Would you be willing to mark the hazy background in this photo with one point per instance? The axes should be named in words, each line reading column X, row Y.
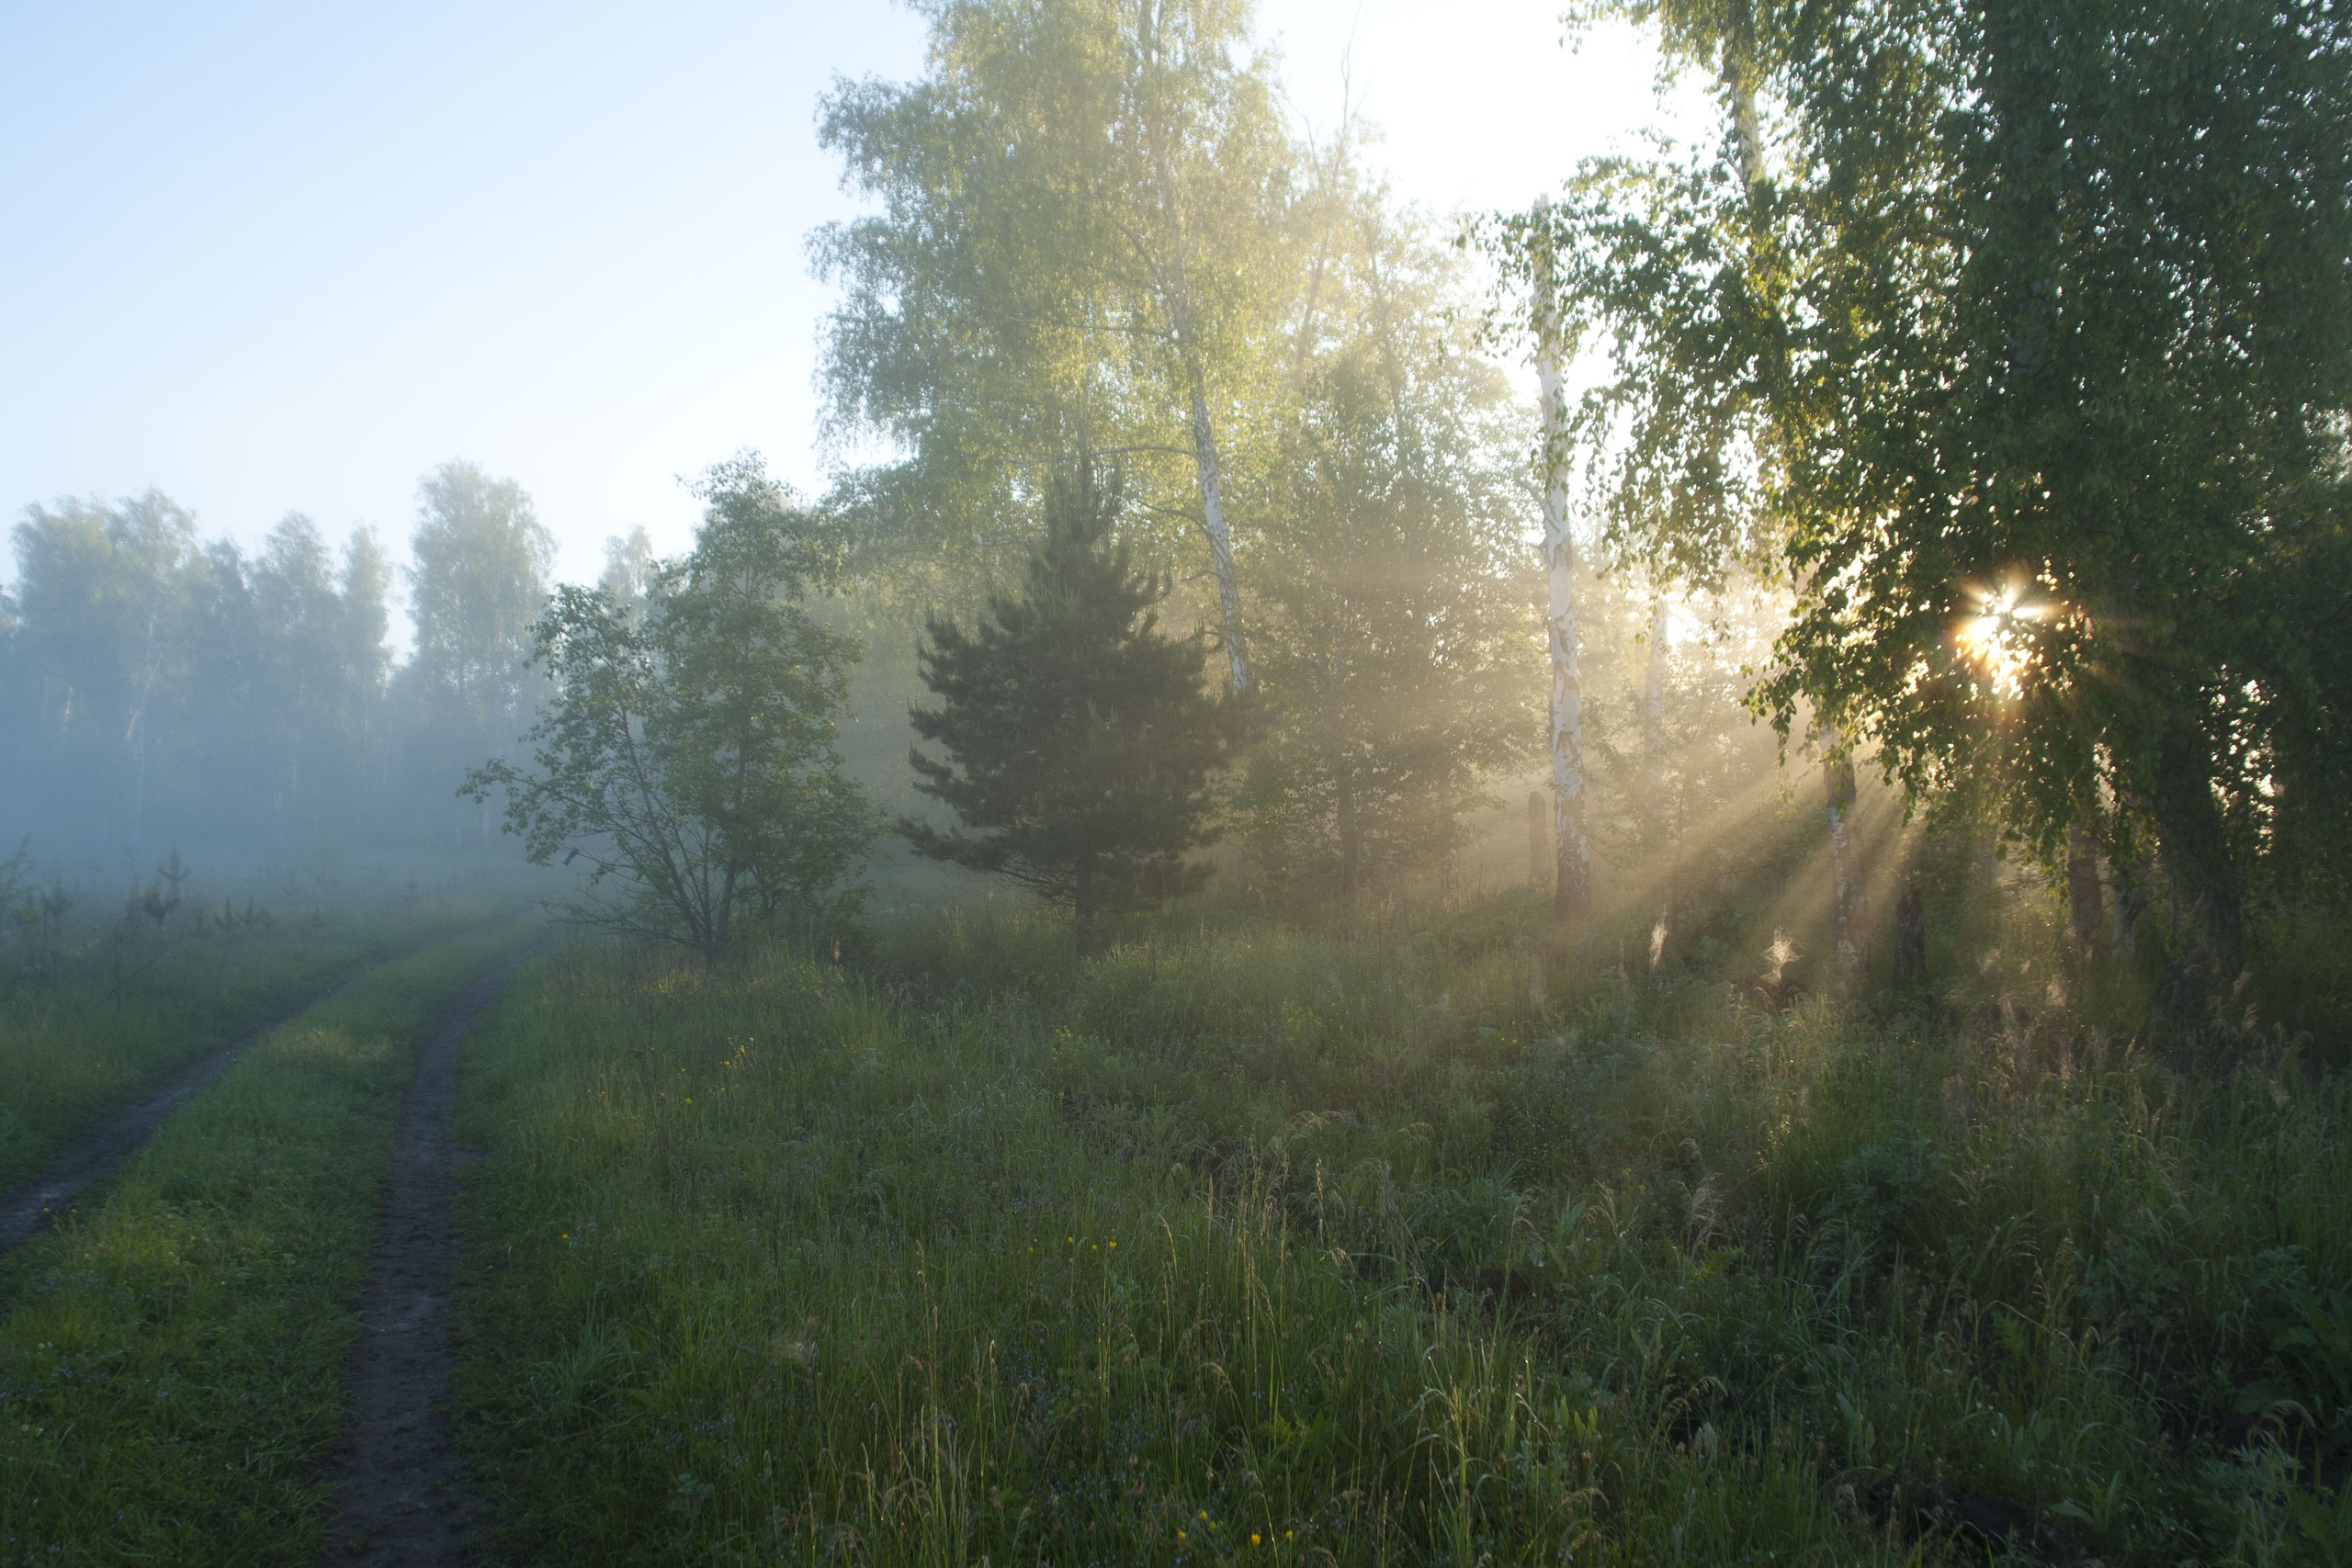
column 269, row 258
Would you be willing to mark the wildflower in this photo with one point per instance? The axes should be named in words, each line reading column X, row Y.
column 1253, row 1538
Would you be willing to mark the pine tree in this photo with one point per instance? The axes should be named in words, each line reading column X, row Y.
column 1080, row 736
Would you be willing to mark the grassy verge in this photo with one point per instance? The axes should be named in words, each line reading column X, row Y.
column 170, row 1361
column 77, row 1048
column 1414, row 1248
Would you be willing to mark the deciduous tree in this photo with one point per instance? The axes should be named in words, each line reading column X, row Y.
column 686, row 752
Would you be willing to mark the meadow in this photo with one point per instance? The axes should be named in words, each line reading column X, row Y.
column 108, row 1012
column 1436, row 1241
column 172, row 1354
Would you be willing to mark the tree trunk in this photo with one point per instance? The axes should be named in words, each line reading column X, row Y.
column 1572, row 852
column 2085, row 900
column 1743, row 110
column 1539, row 843
column 2207, row 892
column 1845, row 883
column 2131, row 903
column 1185, row 331
column 1911, row 935
column 1229, row 592
column 1656, row 817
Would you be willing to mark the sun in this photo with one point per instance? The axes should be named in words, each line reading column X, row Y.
column 1998, row 638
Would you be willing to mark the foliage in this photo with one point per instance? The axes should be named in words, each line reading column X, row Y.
column 1083, row 209
column 2027, row 343
column 687, row 751
column 1397, row 639
column 1078, row 740
column 161, row 689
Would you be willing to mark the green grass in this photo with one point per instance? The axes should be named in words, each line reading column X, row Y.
column 171, row 1358
column 77, row 1048
column 1418, row 1246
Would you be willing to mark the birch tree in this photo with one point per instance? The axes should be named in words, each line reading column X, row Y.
column 1572, row 845
column 1081, row 248
column 1396, row 616
column 477, row 582
column 2050, row 343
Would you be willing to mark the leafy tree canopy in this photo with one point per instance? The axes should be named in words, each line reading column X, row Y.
column 687, row 749
column 2022, row 336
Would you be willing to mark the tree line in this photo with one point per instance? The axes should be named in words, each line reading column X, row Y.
column 156, row 687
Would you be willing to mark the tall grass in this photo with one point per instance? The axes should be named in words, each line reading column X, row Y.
column 1427, row 1244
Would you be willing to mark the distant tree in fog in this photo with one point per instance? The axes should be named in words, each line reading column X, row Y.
column 478, row 582
column 155, row 688
column 1396, row 630
column 628, row 570
column 102, row 590
column 366, row 619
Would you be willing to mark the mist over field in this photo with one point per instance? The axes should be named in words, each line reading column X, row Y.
column 1178, row 781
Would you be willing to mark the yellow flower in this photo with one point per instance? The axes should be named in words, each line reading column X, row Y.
column 1253, row 1538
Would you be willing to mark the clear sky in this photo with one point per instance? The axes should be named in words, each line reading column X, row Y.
column 276, row 256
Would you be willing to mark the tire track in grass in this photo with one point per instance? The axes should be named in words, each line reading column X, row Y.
column 172, row 1358
column 399, row 1482
column 96, row 1155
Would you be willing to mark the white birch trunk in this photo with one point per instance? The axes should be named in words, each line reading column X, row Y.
column 1188, row 349
column 1661, row 817
column 1228, row 592
column 1845, row 883
column 1751, row 135
column 1653, row 718
column 137, row 735
column 1572, row 885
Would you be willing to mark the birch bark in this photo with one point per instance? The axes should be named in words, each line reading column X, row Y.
column 1186, row 331
column 1660, row 819
column 1845, row 891
column 1572, row 868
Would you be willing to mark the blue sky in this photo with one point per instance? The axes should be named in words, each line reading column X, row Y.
column 274, row 257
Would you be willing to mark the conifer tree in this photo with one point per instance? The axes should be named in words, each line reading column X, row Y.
column 1078, row 735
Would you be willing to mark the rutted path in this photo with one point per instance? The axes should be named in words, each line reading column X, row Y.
column 92, row 1157
column 400, row 1485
